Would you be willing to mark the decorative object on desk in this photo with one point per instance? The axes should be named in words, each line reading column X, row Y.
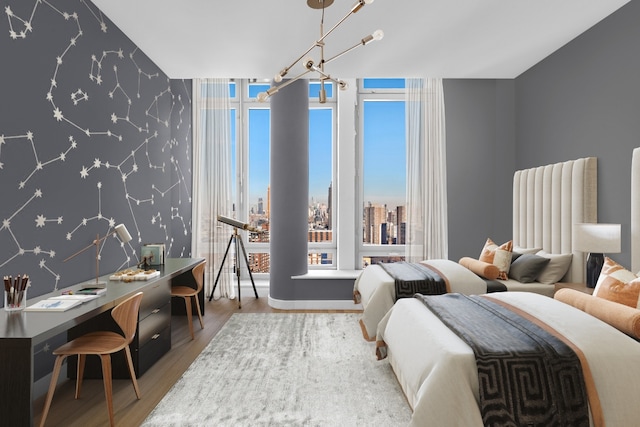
column 150, row 255
column 130, row 275
column 90, row 291
column 123, row 235
column 158, row 255
column 596, row 239
column 15, row 292
column 310, row 65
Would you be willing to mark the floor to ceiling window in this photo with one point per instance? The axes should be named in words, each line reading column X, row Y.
column 382, row 160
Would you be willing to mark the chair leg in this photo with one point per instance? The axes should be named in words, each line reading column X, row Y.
column 80, row 373
column 52, row 388
column 132, row 372
column 108, row 384
column 195, row 297
column 187, row 302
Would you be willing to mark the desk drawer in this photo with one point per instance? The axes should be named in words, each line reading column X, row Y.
column 155, row 297
column 150, row 352
column 156, row 321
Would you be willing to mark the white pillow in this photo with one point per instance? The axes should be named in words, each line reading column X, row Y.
column 556, row 269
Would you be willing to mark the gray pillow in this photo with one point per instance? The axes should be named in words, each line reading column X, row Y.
column 527, row 267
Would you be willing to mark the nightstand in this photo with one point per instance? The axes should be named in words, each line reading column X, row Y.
column 582, row 287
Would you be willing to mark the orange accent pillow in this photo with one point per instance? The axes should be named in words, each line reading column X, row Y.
column 500, row 256
column 617, row 284
column 481, row 268
column 621, row 317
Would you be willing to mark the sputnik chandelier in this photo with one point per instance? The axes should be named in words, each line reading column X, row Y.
column 312, row 66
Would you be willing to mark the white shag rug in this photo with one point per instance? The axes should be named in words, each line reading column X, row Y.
column 286, row 369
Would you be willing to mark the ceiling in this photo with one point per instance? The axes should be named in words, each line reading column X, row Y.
column 423, row 38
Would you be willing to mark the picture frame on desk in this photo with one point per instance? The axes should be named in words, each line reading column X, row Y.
column 155, row 250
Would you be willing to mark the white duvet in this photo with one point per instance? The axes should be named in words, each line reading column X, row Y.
column 437, row 370
column 378, row 293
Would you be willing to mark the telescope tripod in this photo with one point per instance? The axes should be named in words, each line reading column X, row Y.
column 237, row 240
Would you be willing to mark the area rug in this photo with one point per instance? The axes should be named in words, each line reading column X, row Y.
column 286, row 369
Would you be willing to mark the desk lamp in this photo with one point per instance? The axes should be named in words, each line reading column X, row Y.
column 123, row 235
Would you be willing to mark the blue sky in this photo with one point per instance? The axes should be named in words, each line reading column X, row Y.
column 384, row 153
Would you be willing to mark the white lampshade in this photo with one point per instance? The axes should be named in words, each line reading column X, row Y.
column 123, row 233
column 596, row 238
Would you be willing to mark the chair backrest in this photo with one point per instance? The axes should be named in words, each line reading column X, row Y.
column 126, row 315
column 198, row 274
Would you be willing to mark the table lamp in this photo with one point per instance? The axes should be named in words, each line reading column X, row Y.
column 596, row 239
column 123, row 235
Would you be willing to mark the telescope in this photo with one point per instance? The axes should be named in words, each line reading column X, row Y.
column 237, row 240
column 237, row 224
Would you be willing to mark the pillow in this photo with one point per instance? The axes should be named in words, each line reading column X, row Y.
column 500, row 256
column 617, row 284
column 481, row 268
column 624, row 318
column 526, row 250
column 527, row 267
column 556, row 269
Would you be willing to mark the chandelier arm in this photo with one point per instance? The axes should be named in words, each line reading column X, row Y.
column 288, row 82
column 344, row 52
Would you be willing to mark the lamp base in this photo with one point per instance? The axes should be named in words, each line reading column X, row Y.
column 93, row 284
column 595, row 261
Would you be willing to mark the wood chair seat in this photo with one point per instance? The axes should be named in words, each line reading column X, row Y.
column 191, row 294
column 102, row 344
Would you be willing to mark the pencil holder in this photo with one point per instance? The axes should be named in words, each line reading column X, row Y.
column 15, row 300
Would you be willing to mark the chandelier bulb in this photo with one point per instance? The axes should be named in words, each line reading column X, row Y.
column 342, row 85
column 308, row 63
column 277, row 78
column 368, row 1
column 262, row 97
column 378, row 34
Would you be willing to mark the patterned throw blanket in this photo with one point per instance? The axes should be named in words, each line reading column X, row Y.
column 526, row 375
column 414, row 278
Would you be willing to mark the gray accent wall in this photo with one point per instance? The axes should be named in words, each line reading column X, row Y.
column 584, row 100
column 581, row 101
column 92, row 134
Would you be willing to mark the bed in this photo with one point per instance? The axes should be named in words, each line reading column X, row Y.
column 438, row 371
column 547, row 201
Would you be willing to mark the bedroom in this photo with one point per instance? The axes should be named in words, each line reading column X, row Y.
column 581, row 101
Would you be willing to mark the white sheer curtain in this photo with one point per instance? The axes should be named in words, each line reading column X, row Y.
column 212, row 180
column 426, row 228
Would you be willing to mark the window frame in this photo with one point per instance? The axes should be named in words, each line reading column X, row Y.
column 365, row 250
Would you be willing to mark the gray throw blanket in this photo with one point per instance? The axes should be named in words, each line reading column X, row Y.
column 414, row 278
column 526, row 375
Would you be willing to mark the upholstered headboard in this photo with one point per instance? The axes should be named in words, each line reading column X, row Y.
column 548, row 200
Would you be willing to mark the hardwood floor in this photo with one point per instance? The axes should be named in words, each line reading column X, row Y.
column 91, row 410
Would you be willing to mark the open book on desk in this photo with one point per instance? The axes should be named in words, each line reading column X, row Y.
column 54, row 304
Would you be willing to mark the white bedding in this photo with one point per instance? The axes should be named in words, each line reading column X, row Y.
column 378, row 294
column 437, row 370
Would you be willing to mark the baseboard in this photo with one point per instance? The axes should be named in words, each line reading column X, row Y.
column 313, row 304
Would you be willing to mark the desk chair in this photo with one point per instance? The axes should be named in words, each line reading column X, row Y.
column 189, row 293
column 103, row 344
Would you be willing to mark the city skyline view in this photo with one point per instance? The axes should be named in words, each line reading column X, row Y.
column 384, row 156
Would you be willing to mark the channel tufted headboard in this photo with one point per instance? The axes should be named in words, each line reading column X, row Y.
column 548, row 200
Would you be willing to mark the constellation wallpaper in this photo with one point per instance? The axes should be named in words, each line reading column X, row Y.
column 92, row 134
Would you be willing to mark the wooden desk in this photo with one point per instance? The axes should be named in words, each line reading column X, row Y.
column 21, row 331
column 582, row 287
